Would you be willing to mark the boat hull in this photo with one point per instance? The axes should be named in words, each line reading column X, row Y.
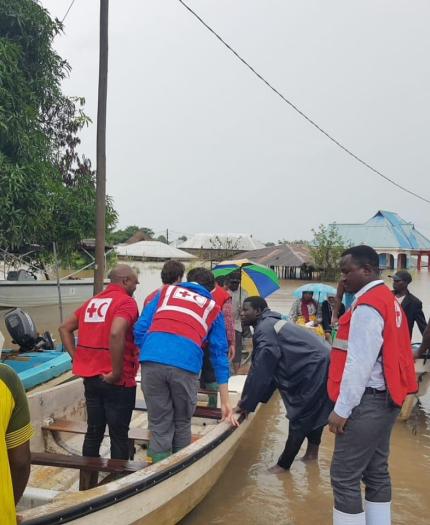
column 161, row 494
column 43, row 293
column 36, row 368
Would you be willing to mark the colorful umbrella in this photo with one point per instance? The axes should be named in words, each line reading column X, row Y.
column 320, row 291
column 256, row 279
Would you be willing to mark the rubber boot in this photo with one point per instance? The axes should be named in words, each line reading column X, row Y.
column 212, row 398
column 377, row 513
column 342, row 518
column 155, row 457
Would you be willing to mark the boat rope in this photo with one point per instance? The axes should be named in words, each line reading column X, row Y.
column 299, row 111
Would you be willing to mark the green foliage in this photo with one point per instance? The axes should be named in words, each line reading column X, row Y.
column 326, row 249
column 47, row 187
column 119, row 236
column 162, row 238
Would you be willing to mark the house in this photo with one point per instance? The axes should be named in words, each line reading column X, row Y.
column 289, row 261
column 151, row 251
column 219, row 246
column 396, row 240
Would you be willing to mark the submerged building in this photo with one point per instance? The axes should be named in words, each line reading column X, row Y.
column 396, row 240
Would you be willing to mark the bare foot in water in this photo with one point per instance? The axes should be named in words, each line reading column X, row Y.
column 276, row 469
column 309, row 457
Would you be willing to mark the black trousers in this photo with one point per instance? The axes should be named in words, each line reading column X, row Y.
column 109, row 405
column 294, row 442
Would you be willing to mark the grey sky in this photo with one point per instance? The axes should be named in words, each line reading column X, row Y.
column 197, row 143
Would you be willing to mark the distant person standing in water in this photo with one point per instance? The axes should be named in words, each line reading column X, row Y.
column 411, row 305
column 238, row 295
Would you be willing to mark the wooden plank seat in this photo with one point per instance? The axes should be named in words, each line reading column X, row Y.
column 47, row 459
column 80, row 427
column 89, row 468
column 204, row 412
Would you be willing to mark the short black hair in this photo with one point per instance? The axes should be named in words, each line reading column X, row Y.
column 363, row 255
column 220, row 280
column 234, row 276
column 257, row 302
column 172, row 271
column 202, row 276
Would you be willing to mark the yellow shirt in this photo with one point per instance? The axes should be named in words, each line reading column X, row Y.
column 15, row 430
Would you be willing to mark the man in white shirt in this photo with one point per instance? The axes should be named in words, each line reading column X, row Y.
column 371, row 372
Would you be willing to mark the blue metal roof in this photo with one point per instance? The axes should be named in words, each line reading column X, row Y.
column 385, row 230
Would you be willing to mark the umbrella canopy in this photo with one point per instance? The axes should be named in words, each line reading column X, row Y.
column 256, row 279
column 320, row 291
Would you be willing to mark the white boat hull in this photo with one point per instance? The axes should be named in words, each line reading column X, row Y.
column 43, row 293
column 161, row 494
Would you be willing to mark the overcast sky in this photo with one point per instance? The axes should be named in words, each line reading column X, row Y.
column 196, row 143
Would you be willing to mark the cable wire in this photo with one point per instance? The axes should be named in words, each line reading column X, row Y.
column 299, row 111
column 67, row 12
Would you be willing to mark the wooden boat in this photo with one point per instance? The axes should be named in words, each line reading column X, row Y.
column 43, row 293
column 160, row 494
column 422, row 371
column 36, row 368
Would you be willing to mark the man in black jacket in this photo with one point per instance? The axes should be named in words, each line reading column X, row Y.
column 411, row 305
column 295, row 361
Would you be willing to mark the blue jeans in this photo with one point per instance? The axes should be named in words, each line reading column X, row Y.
column 109, row 405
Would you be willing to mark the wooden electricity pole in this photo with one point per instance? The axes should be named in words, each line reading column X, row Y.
column 101, row 150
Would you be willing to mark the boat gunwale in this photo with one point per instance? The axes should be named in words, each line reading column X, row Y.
column 101, row 502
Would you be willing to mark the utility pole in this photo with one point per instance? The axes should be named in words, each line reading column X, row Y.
column 101, row 150
column 167, row 235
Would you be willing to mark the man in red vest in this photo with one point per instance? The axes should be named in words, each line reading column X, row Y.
column 108, row 360
column 371, row 372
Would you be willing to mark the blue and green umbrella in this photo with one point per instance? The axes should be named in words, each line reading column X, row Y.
column 256, row 279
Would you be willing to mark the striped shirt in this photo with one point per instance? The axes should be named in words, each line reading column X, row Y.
column 15, row 430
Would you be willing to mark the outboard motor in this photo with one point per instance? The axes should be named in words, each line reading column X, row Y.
column 23, row 332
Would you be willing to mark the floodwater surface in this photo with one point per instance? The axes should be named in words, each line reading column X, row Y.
column 247, row 494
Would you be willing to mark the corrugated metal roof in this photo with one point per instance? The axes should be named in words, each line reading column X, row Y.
column 385, row 230
column 151, row 250
column 221, row 241
column 290, row 255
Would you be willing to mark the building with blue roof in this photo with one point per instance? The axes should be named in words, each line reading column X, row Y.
column 397, row 241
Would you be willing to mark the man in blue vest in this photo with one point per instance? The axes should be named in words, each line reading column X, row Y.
column 170, row 334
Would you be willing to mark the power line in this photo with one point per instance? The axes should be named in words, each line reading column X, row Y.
column 299, row 111
column 67, row 12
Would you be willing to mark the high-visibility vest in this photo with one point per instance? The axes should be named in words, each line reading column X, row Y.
column 220, row 296
column 397, row 359
column 95, row 317
column 183, row 312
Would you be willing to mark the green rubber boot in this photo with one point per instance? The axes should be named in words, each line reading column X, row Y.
column 157, row 456
column 212, row 399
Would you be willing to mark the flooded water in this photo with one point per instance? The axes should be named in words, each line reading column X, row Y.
column 247, row 494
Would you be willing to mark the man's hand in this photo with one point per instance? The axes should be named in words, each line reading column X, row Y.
column 228, row 415
column 111, row 378
column 336, row 423
column 231, row 352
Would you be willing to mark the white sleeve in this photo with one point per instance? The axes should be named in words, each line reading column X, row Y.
column 364, row 344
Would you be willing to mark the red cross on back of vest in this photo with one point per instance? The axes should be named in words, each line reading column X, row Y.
column 185, row 313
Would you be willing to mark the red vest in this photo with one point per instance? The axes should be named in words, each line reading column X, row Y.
column 185, row 313
column 397, row 360
column 92, row 357
column 220, row 296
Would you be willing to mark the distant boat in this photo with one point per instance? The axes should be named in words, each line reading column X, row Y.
column 26, row 292
column 37, row 361
column 36, row 368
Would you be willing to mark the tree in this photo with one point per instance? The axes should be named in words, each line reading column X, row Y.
column 225, row 246
column 268, row 244
column 47, row 187
column 326, row 249
column 183, row 238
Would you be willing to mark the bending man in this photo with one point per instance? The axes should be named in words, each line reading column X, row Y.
column 294, row 361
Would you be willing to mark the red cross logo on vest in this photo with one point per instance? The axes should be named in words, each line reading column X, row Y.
column 185, row 313
column 398, row 311
column 97, row 309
